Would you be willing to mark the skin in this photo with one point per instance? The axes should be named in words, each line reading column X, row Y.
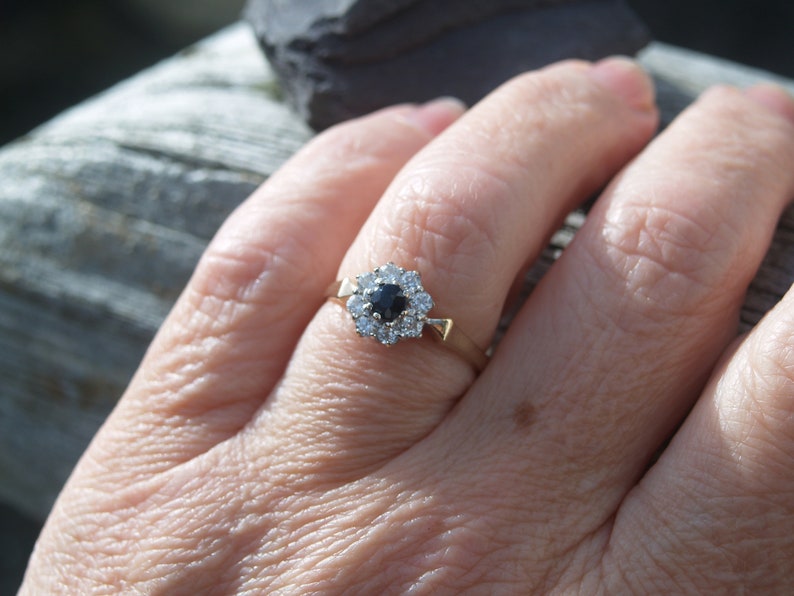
column 263, row 447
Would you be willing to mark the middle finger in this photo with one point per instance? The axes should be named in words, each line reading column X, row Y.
column 616, row 342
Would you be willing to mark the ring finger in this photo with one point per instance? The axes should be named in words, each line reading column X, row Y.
column 466, row 213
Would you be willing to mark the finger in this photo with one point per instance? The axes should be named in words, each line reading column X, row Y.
column 232, row 331
column 720, row 502
column 466, row 212
column 615, row 344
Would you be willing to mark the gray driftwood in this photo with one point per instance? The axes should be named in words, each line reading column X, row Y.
column 105, row 210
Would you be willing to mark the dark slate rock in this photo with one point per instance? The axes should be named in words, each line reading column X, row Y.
column 337, row 59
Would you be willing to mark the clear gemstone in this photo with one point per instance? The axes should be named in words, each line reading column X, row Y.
column 366, row 326
column 422, row 303
column 388, row 301
column 390, row 273
column 411, row 282
column 410, row 326
column 387, row 335
column 357, row 305
column 367, row 281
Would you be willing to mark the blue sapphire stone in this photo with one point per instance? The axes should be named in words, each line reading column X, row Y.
column 388, row 301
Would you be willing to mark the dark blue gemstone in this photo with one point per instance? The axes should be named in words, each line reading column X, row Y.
column 388, row 301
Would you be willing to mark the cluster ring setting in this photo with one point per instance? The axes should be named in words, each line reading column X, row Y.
column 390, row 303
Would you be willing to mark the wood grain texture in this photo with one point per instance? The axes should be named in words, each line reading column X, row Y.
column 105, row 210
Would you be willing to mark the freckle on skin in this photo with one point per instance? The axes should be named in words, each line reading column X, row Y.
column 524, row 416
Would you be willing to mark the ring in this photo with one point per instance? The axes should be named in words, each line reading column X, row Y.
column 390, row 304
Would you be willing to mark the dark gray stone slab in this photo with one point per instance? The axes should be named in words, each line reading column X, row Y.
column 337, row 59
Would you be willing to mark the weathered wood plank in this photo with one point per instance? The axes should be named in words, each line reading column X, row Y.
column 103, row 214
column 105, row 210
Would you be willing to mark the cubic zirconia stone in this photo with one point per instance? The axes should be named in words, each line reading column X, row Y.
column 390, row 273
column 386, row 335
column 411, row 282
column 367, row 281
column 422, row 303
column 366, row 326
column 357, row 305
column 410, row 326
column 388, row 301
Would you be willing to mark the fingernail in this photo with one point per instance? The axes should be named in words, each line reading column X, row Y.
column 626, row 79
column 774, row 97
column 436, row 115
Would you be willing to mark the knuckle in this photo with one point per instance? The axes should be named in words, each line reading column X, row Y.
column 240, row 271
column 237, row 279
column 686, row 237
column 450, row 222
column 666, row 256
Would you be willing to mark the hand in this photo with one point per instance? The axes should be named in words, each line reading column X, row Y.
column 263, row 447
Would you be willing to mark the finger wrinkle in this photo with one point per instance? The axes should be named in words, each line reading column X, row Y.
column 668, row 261
column 448, row 224
column 244, row 268
column 252, row 278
